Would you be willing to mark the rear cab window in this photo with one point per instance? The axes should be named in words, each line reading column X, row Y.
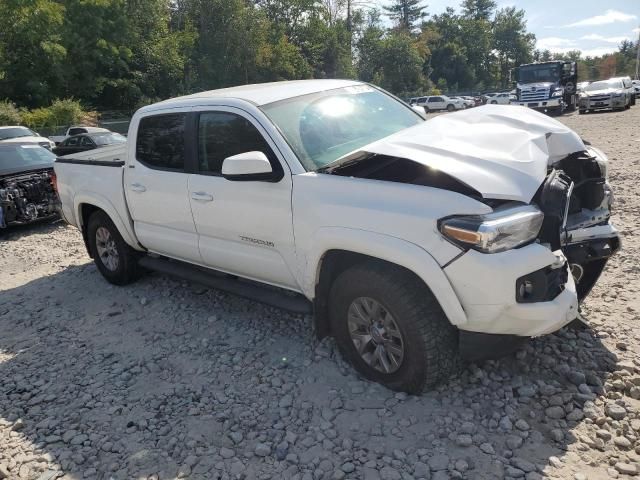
column 160, row 143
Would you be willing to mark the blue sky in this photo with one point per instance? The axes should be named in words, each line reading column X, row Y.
column 592, row 26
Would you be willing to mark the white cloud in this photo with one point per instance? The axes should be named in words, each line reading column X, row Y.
column 595, row 36
column 610, row 16
column 555, row 43
column 598, row 51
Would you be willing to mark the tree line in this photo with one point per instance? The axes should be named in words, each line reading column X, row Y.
column 121, row 54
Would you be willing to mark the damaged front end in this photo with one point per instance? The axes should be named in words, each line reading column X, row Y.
column 27, row 197
column 576, row 200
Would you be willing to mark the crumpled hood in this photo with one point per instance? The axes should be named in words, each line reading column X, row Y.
column 501, row 151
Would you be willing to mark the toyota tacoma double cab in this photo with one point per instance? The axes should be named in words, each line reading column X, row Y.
column 414, row 243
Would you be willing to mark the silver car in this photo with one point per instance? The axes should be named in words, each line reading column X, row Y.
column 605, row 94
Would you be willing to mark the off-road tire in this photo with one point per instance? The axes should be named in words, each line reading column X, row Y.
column 450, row 108
column 430, row 341
column 127, row 270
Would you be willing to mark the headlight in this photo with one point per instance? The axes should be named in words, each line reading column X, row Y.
column 557, row 93
column 498, row 231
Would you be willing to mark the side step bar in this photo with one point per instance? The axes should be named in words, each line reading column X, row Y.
column 272, row 296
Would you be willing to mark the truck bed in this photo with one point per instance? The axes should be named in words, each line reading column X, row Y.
column 96, row 177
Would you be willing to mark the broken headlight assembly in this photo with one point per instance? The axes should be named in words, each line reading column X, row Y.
column 503, row 229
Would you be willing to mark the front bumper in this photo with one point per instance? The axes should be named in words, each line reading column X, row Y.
column 601, row 103
column 486, row 287
column 550, row 104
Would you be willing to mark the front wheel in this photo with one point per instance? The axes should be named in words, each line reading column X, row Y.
column 116, row 261
column 450, row 108
column 391, row 328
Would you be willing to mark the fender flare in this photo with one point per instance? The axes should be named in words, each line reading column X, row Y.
column 104, row 204
column 388, row 248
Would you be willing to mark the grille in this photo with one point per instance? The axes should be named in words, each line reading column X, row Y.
column 600, row 98
column 538, row 94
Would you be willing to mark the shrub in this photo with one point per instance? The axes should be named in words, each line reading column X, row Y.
column 9, row 114
column 61, row 113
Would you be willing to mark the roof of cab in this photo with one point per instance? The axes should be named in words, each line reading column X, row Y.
column 262, row 93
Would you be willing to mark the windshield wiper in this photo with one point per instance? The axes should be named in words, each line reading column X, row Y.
column 340, row 162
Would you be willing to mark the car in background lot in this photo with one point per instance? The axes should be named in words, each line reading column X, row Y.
column 500, row 99
column 88, row 141
column 628, row 86
column 440, row 102
column 582, row 85
column 466, row 101
column 77, row 130
column 18, row 134
column 636, row 87
column 413, row 242
column 603, row 95
column 27, row 190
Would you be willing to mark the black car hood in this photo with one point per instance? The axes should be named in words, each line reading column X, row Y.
column 8, row 172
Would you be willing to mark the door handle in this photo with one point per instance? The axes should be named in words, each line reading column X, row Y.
column 202, row 196
column 138, row 187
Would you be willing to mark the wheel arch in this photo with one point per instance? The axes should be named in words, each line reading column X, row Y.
column 334, row 259
column 85, row 206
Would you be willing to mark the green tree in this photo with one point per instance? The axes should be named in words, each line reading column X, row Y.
column 478, row 9
column 31, row 50
column 513, row 44
column 406, row 13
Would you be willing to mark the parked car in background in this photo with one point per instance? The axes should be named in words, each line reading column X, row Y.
column 465, row 101
column 76, row 130
column 412, row 242
column 500, row 99
column 88, row 141
column 582, row 85
column 27, row 190
column 440, row 102
column 603, row 95
column 17, row 134
column 636, row 87
column 628, row 86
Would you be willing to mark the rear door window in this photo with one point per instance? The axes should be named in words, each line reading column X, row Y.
column 160, row 143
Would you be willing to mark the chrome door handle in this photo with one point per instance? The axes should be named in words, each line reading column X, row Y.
column 138, row 187
column 202, row 196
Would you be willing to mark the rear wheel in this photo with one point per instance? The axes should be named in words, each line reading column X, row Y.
column 116, row 260
column 390, row 327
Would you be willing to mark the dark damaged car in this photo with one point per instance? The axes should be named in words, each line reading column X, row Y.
column 27, row 190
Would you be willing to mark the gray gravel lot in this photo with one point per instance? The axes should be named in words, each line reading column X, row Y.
column 163, row 379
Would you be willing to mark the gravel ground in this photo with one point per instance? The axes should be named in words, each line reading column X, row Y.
column 164, row 379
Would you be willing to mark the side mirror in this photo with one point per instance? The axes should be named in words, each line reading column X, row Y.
column 249, row 166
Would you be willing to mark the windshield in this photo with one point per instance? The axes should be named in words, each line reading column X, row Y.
column 539, row 73
column 24, row 156
column 322, row 127
column 15, row 132
column 603, row 85
column 108, row 138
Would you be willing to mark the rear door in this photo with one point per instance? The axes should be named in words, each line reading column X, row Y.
column 244, row 227
column 156, row 186
column 435, row 103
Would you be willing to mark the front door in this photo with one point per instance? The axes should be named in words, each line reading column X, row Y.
column 156, row 186
column 244, row 227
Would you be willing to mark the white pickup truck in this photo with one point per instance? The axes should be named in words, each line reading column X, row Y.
column 414, row 243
